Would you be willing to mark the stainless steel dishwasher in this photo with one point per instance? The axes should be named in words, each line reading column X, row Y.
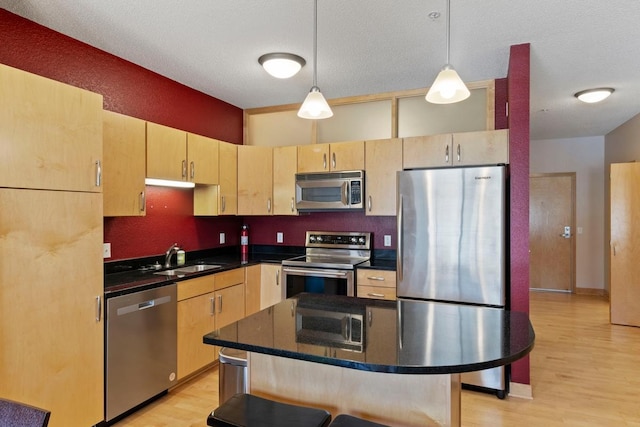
column 140, row 348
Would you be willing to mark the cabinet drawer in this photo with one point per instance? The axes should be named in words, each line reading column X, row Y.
column 377, row 292
column 376, row 278
column 194, row 287
column 229, row 278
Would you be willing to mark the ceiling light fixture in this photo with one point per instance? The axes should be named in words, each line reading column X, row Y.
column 314, row 105
column 281, row 65
column 594, row 95
column 448, row 86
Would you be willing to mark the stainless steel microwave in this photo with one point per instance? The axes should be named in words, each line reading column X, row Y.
column 328, row 191
column 330, row 328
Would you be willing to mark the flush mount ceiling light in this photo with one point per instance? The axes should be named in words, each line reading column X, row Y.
column 281, row 65
column 448, row 86
column 314, row 105
column 594, row 95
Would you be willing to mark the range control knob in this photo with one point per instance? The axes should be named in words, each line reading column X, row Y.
column 361, row 240
column 354, row 239
column 319, row 239
column 312, row 239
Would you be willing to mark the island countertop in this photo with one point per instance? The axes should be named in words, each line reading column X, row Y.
column 401, row 337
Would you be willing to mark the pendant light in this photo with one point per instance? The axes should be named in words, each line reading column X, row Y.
column 314, row 105
column 448, row 87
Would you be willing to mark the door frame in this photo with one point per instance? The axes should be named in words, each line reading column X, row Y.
column 572, row 175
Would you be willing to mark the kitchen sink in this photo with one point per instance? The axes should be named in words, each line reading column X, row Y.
column 186, row 270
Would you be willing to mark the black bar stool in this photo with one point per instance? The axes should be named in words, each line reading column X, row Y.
column 343, row 420
column 246, row 410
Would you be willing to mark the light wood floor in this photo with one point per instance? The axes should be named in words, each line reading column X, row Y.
column 584, row 372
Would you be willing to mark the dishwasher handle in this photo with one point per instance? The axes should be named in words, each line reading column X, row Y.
column 145, row 305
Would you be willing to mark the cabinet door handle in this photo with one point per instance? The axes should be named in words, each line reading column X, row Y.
column 223, row 204
column 375, row 295
column 324, row 161
column 446, row 154
column 292, row 204
column 269, row 205
column 98, row 173
column 184, row 168
column 293, row 309
column 333, row 160
column 143, row 201
column 369, row 204
column 370, row 317
column 458, row 151
column 213, row 306
column 219, row 303
column 193, row 170
column 378, row 278
column 98, row 308
column 277, row 277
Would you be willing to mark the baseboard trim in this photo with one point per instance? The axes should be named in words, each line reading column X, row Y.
column 592, row 291
column 522, row 391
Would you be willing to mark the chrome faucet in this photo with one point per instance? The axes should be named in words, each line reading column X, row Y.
column 173, row 249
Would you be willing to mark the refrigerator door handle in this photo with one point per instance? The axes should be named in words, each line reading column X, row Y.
column 399, row 249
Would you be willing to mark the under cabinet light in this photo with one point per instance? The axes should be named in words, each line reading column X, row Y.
column 168, row 183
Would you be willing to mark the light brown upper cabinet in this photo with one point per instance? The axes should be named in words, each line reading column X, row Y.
column 457, row 149
column 50, row 134
column 285, row 160
column 228, row 176
column 383, row 158
column 180, row 156
column 123, row 170
column 255, row 180
column 338, row 156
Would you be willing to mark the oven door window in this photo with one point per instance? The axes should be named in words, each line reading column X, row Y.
column 341, row 284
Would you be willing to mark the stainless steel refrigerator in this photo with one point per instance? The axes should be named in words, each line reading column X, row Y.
column 451, row 243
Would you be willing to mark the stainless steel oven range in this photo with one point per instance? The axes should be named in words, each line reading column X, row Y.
column 328, row 265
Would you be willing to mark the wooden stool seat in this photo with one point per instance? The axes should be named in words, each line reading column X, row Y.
column 246, row 410
column 343, row 420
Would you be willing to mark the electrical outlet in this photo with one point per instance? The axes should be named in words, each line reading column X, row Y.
column 222, row 238
column 106, row 250
column 387, row 240
column 279, row 237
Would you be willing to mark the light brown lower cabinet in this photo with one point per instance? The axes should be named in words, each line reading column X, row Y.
column 377, row 284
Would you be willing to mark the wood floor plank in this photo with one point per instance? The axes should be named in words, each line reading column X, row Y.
column 584, row 372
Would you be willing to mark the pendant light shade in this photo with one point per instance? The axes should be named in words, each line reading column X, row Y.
column 314, row 105
column 448, row 87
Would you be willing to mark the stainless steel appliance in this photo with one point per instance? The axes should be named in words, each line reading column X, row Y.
column 140, row 348
column 328, row 191
column 328, row 264
column 451, row 242
column 330, row 326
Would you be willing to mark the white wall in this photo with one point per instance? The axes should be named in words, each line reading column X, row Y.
column 585, row 157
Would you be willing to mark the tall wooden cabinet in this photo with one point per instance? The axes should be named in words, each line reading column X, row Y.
column 625, row 244
column 383, row 159
column 51, row 267
column 285, row 160
column 255, row 180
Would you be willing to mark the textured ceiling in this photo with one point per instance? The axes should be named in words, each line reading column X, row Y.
column 372, row 46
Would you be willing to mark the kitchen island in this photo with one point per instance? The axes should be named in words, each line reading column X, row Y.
column 397, row 363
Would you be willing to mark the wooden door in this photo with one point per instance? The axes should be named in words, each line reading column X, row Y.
column 228, row 170
column 346, row 156
column 124, row 166
column 480, row 148
column 255, row 180
column 383, row 159
column 271, row 290
column 195, row 319
column 426, row 151
column 551, row 209
column 50, row 133
column 202, row 155
column 229, row 305
column 285, row 160
column 313, row 158
column 625, row 247
column 252, row 285
column 166, row 152
column 51, row 283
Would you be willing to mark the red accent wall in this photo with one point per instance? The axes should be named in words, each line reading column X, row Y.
column 518, row 96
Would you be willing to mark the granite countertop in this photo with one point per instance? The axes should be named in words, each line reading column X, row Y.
column 137, row 275
column 403, row 337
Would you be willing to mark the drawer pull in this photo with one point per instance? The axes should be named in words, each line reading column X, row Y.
column 377, row 278
column 375, row 295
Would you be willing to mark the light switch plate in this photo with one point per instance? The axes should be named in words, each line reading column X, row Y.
column 222, row 238
column 387, row 240
column 106, row 250
column 279, row 237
